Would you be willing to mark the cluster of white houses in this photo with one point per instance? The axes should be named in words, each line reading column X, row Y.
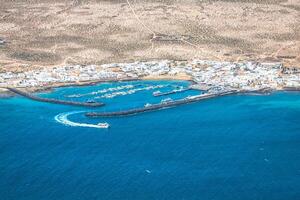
column 61, row 74
column 241, row 76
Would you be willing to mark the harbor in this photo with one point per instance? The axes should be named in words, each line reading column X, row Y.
column 213, row 78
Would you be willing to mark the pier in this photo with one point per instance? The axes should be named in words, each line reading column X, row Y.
column 54, row 101
column 159, row 106
column 171, row 92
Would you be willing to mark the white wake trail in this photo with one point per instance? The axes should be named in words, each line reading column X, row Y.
column 63, row 119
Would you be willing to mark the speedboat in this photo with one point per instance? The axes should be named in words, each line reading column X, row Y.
column 103, row 125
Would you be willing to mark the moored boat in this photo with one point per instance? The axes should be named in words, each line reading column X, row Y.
column 147, row 105
column 156, row 93
column 90, row 101
column 167, row 100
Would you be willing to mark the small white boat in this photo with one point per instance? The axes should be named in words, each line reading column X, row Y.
column 103, row 125
column 189, row 97
column 90, row 101
column 167, row 100
column 109, row 96
column 73, row 96
column 156, row 93
column 147, row 105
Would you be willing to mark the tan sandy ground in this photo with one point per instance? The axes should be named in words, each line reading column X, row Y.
column 40, row 33
column 169, row 77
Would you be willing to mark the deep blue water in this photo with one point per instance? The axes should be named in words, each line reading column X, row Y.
column 233, row 147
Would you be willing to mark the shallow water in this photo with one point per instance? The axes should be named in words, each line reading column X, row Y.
column 233, row 147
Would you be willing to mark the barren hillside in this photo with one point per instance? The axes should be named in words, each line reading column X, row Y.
column 43, row 32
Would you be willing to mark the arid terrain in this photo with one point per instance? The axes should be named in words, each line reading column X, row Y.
column 41, row 33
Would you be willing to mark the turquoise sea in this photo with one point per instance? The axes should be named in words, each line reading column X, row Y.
column 235, row 147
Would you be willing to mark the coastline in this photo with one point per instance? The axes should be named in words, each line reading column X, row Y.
column 212, row 75
column 5, row 93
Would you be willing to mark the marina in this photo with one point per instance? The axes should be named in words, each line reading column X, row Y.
column 103, row 91
column 129, row 92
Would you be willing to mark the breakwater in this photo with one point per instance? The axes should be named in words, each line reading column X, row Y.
column 54, row 101
column 159, row 106
column 292, row 89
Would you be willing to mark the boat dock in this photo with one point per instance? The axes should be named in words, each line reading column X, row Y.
column 171, row 92
column 54, row 101
column 159, row 106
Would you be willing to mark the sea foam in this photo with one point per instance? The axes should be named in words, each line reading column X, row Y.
column 63, row 119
